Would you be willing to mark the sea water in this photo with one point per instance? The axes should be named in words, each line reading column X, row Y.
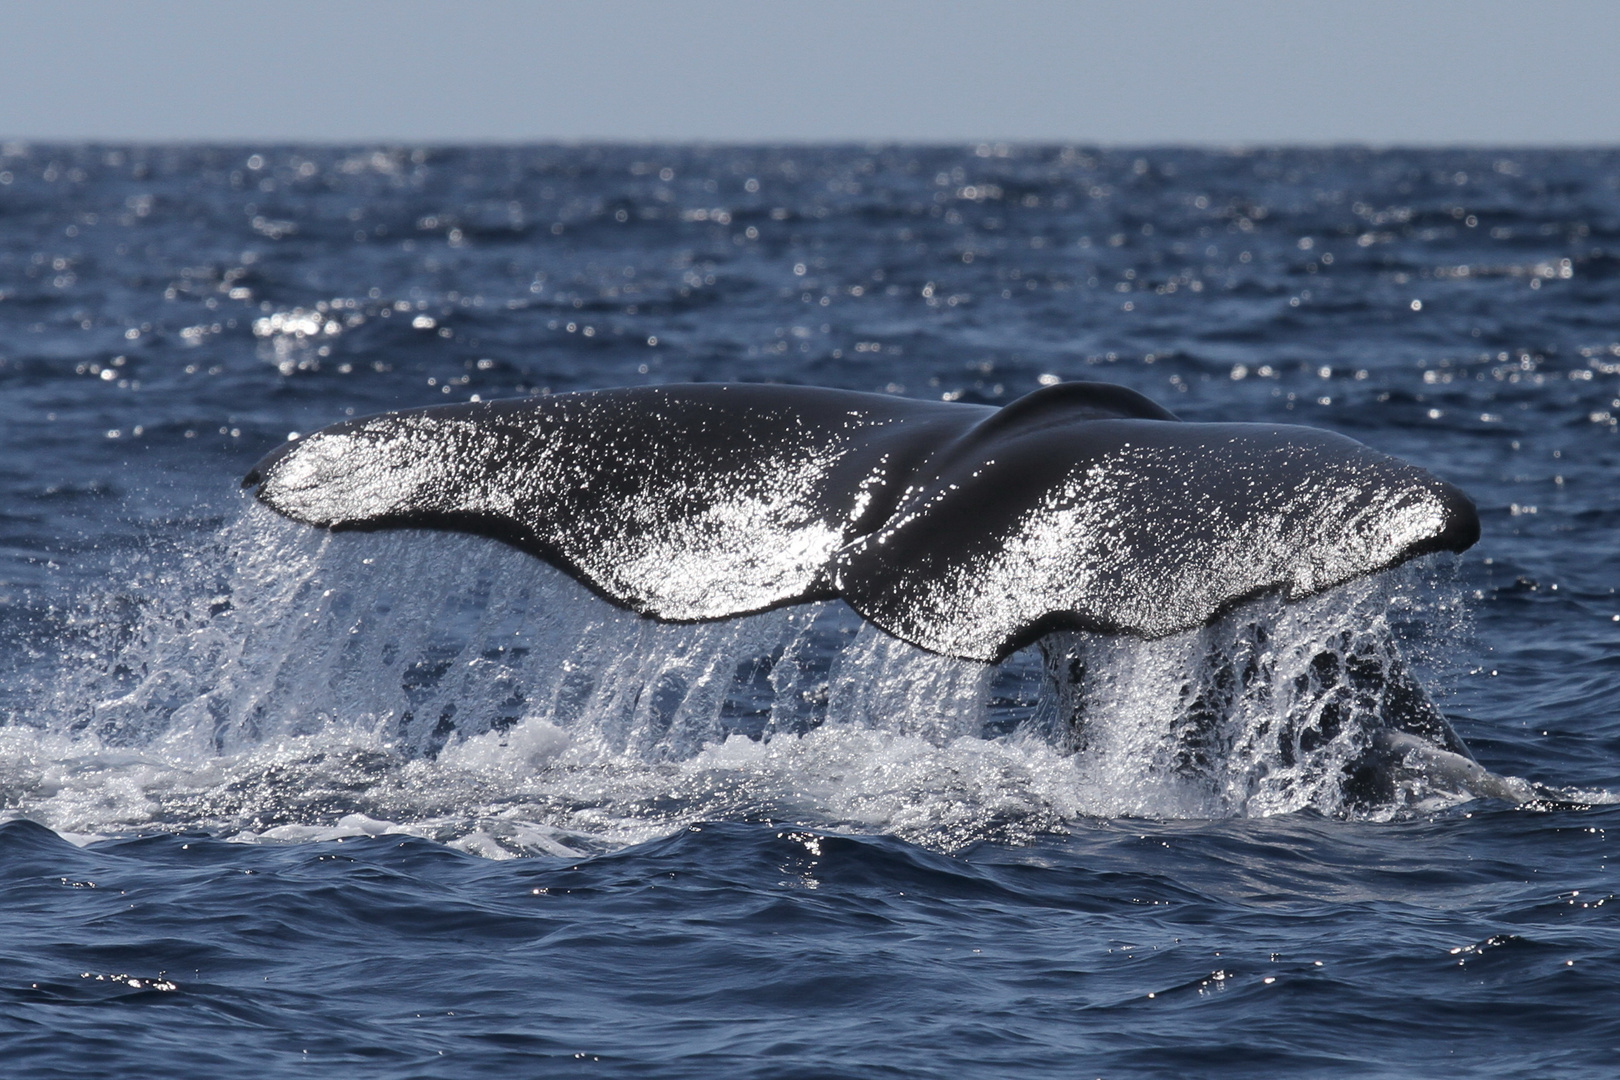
column 412, row 804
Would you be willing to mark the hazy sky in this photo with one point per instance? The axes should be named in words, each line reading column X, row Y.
column 1148, row 71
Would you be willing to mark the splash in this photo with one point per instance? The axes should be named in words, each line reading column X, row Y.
column 286, row 683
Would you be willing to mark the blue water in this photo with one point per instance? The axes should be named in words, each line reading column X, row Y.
column 415, row 805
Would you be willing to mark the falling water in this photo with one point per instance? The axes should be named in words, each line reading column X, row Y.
column 285, row 682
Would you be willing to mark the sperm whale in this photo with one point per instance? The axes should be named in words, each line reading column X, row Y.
column 968, row 530
column 965, row 529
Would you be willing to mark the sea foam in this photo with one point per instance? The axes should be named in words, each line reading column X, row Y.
column 281, row 683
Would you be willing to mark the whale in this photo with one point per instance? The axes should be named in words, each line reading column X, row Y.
column 966, row 529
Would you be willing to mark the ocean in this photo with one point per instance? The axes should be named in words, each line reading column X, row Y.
column 276, row 801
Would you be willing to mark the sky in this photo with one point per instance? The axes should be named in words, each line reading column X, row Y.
column 1131, row 72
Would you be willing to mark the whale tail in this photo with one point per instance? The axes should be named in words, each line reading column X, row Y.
column 964, row 529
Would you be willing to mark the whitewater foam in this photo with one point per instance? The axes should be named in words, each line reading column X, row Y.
column 283, row 683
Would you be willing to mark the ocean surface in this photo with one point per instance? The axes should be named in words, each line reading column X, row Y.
column 278, row 802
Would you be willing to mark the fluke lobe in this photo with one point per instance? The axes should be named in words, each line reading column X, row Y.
column 966, row 529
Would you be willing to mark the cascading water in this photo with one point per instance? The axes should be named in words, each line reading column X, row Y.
column 286, row 682
column 1271, row 709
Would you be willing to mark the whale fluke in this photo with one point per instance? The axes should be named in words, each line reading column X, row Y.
column 965, row 529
